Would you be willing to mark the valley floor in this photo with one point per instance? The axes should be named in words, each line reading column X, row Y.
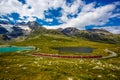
column 23, row 66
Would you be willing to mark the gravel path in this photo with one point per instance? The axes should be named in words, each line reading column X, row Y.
column 112, row 54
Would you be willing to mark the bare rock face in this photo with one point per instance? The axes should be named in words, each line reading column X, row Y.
column 99, row 31
column 33, row 25
column 9, row 31
column 70, row 31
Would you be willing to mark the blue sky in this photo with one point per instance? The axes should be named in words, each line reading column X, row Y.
column 82, row 14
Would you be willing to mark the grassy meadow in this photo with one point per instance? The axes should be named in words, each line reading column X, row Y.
column 23, row 66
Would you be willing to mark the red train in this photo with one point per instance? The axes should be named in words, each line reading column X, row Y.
column 61, row 56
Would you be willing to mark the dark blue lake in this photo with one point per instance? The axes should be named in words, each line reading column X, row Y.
column 74, row 49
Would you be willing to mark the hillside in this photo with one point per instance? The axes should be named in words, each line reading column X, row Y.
column 32, row 29
column 99, row 35
column 24, row 66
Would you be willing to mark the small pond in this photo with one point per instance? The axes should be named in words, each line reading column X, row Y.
column 74, row 49
column 15, row 48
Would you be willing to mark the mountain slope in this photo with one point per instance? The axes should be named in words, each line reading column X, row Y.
column 33, row 29
column 11, row 31
column 99, row 35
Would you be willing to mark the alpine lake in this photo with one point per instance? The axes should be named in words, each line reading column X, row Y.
column 5, row 49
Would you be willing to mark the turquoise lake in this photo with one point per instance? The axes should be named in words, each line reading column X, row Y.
column 14, row 48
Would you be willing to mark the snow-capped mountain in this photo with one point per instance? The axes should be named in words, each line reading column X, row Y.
column 14, row 30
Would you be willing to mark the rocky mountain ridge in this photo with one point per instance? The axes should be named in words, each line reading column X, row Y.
column 31, row 29
column 10, row 31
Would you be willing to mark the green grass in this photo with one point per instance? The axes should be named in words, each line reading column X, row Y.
column 23, row 66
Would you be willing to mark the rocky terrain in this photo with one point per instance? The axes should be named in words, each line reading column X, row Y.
column 11, row 31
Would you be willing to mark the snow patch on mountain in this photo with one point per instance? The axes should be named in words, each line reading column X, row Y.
column 8, row 27
column 26, row 28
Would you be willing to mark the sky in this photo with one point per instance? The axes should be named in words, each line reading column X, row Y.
column 52, row 14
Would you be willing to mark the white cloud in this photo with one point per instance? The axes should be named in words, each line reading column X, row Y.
column 48, row 20
column 89, row 15
column 3, row 19
column 11, row 18
column 112, row 29
column 52, row 27
column 117, row 15
column 9, row 6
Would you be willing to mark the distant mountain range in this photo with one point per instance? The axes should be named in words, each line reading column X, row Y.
column 11, row 31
